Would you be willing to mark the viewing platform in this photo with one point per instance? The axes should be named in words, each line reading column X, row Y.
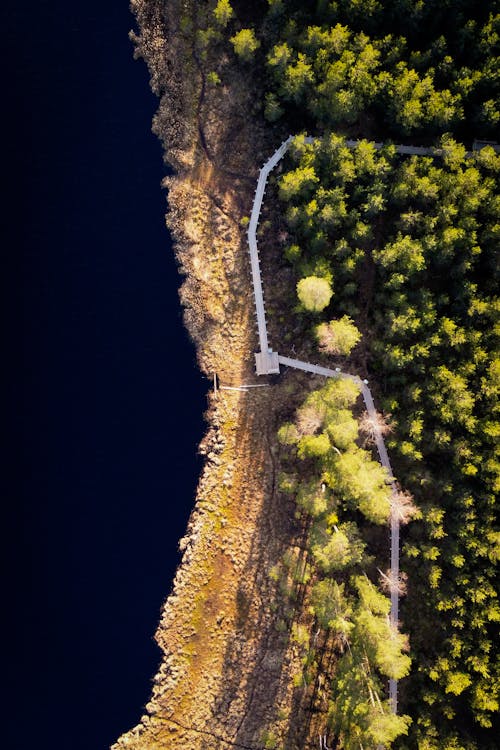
column 266, row 363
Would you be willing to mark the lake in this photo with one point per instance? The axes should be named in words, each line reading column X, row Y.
column 101, row 466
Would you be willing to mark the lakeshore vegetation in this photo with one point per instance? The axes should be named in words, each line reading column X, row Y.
column 394, row 261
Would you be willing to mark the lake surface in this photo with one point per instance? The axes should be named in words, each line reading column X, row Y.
column 101, row 466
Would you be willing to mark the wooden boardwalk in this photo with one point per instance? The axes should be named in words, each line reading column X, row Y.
column 268, row 362
column 417, row 150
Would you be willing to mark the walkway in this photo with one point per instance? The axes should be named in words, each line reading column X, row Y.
column 268, row 362
column 418, row 150
column 400, row 149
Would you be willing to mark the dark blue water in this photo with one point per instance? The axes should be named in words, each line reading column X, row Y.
column 101, row 465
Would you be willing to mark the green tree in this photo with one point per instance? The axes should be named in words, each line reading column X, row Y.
column 313, row 446
column 272, row 110
column 279, row 57
column 297, row 182
column 213, row 78
column 362, row 482
column 452, row 399
column 312, row 499
column 223, row 12
column 298, row 76
column 245, row 44
column 338, row 336
column 337, row 394
column 332, row 607
column 342, row 429
column 314, row 293
column 337, row 547
column 405, row 254
column 457, row 682
column 414, row 101
column 358, row 715
column 383, row 644
column 288, row 434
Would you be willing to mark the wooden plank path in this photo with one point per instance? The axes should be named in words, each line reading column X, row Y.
column 416, row 150
column 400, row 148
column 268, row 362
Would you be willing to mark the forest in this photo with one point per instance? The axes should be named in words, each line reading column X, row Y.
column 407, row 248
column 394, row 264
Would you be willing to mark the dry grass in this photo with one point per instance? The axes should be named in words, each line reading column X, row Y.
column 227, row 670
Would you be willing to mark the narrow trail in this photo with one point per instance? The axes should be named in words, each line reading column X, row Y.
column 268, row 362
